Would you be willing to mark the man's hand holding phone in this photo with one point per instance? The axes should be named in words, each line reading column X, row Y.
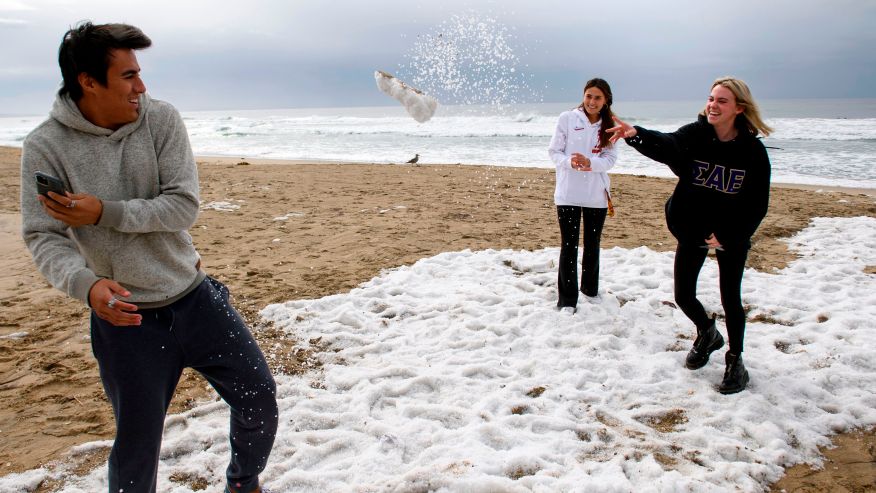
column 73, row 209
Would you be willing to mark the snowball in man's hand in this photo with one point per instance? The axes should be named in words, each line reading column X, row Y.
column 420, row 106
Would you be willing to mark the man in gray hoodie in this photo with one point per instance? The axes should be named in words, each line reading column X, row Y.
column 117, row 240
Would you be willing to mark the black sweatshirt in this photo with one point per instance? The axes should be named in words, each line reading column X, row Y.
column 723, row 187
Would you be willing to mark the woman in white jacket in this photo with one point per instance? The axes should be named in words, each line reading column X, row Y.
column 582, row 153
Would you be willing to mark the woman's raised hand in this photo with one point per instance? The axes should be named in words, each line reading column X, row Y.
column 621, row 130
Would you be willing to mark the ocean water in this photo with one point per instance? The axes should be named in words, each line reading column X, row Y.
column 820, row 142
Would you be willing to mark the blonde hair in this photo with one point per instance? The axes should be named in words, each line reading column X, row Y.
column 750, row 110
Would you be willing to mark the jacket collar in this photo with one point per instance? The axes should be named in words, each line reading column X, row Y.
column 584, row 120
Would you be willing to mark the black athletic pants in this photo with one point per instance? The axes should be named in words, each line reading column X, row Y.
column 141, row 366
column 689, row 261
column 569, row 218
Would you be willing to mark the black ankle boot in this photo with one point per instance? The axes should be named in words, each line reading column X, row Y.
column 735, row 376
column 707, row 341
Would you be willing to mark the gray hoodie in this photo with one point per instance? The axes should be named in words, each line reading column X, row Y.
column 146, row 176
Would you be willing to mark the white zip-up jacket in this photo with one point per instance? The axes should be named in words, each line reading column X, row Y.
column 575, row 133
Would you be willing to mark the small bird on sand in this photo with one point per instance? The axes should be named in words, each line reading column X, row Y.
column 414, row 161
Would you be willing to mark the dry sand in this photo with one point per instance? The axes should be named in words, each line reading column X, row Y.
column 346, row 223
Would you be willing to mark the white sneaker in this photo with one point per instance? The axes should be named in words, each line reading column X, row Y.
column 567, row 310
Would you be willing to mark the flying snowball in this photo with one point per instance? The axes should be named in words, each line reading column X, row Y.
column 420, row 106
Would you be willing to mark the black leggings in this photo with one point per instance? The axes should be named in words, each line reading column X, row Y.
column 731, row 263
column 569, row 217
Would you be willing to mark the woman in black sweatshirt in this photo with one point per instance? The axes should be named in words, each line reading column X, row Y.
column 721, row 197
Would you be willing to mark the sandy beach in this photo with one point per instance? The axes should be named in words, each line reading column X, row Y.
column 351, row 221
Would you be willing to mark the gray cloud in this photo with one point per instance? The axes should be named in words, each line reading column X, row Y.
column 269, row 54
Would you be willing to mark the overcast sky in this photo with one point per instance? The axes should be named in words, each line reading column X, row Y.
column 218, row 54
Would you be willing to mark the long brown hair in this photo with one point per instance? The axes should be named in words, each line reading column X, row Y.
column 750, row 111
column 605, row 113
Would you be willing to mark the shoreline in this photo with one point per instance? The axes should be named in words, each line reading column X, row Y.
column 229, row 160
column 234, row 160
column 344, row 224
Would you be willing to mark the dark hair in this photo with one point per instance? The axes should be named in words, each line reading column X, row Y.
column 88, row 48
column 605, row 113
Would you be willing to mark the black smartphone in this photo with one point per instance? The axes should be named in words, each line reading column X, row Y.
column 48, row 183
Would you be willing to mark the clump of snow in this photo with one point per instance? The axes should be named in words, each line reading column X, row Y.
column 221, row 206
column 419, row 105
column 14, row 335
column 288, row 216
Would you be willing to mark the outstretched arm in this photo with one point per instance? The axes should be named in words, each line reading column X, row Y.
column 668, row 148
column 621, row 130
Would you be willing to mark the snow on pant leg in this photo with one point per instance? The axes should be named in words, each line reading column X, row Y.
column 731, row 265
column 220, row 347
column 569, row 218
column 140, row 367
column 689, row 261
column 594, row 220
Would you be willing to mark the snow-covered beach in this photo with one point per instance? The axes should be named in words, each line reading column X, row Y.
column 447, row 367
